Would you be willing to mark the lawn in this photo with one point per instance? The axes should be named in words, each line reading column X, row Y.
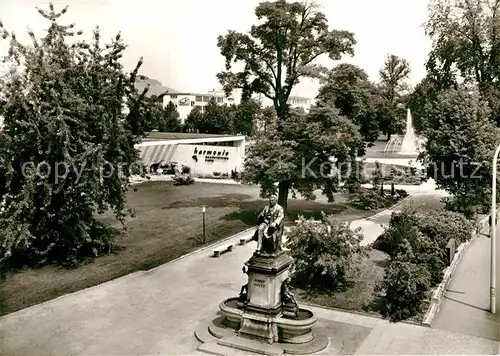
column 166, row 224
column 360, row 295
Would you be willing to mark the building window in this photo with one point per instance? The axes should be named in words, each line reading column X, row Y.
column 206, row 99
column 173, row 96
column 219, row 100
column 198, row 98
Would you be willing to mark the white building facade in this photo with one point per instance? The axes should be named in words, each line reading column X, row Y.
column 300, row 102
column 214, row 156
column 294, row 101
column 185, row 102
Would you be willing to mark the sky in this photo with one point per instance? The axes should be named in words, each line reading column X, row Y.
column 178, row 38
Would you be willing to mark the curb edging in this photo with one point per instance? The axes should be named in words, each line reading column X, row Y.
column 439, row 292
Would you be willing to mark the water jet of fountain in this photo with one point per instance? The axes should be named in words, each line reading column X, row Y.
column 409, row 145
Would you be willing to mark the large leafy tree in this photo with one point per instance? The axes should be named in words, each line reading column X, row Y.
column 350, row 90
column 72, row 117
column 299, row 154
column 245, row 116
column 461, row 140
column 281, row 50
column 421, row 100
column 466, row 45
column 392, row 86
column 277, row 53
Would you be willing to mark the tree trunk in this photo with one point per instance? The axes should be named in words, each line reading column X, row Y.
column 283, row 189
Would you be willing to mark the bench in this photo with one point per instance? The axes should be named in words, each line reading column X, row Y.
column 222, row 248
column 244, row 240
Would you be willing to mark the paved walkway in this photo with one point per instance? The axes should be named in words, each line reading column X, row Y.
column 464, row 308
column 374, row 226
column 157, row 311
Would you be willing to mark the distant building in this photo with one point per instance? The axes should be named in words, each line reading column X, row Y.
column 213, row 155
column 187, row 101
column 184, row 101
column 300, row 102
column 294, row 101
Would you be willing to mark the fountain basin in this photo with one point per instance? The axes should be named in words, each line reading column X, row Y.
column 269, row 328
column 233, row 315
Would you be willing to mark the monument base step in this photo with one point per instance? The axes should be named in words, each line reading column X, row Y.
column 251, row 345
column 226, row 342
column 213, row 348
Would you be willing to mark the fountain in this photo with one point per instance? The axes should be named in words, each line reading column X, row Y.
column 265, row 318
column 410, row 144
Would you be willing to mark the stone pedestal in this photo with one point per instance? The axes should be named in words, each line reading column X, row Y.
column 266, row 274
column 259, row 320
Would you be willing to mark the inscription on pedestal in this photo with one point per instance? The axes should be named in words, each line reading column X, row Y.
column 259, row 283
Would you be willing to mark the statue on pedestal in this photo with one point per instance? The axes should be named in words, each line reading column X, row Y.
column 243, row 297
column 288, row 301
column 270, row 230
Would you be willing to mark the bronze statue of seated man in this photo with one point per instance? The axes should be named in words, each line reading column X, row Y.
column 270, row 230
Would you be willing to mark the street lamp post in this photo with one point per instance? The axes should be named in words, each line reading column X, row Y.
column 493, row 262
column 204, row 235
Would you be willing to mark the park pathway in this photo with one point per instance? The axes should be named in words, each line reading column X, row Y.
column 157, row 311
column 465, row 306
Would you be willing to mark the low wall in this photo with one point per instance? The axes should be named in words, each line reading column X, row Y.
column 439, row 292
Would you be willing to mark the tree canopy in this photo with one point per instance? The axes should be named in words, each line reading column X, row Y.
column 301, row 159
column 461, row 140
column 349, row 89
column 392, row 86
column 281, row 50
column 72, row 116
column 466, row 46
column 169, row 119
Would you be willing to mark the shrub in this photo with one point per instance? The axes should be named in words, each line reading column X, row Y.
column 438, row 226
column 184, row 177
column 416, row 243
column 443, row 225
column 402, row 226
column 235, row 175
column 185, row 169
column 371, row 199
column 467, row 205
column 402, row 193
column 405, row 285
column 418, row 238
column 325, row 253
